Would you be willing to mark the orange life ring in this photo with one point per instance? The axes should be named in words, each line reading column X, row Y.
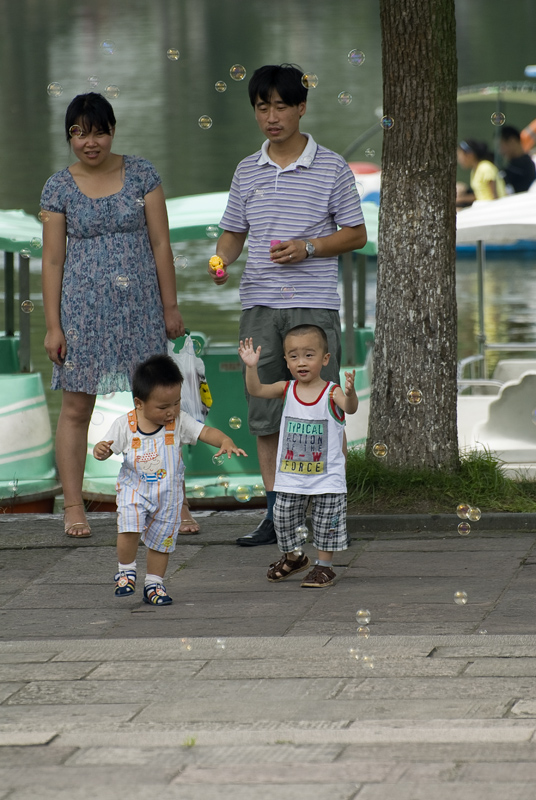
column 528, row 136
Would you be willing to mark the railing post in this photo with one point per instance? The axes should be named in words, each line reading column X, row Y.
column 24, row 319
column 9, row 294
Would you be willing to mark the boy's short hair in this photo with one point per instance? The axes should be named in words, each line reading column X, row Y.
column 285, row 79
column 304, row 329
column 158, row 370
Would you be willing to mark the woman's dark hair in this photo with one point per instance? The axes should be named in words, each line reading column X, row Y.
column 285, row 79
column 93, row 110
column 159, row 370
column 480, row 149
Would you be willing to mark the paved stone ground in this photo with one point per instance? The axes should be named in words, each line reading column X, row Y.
column 244, row 689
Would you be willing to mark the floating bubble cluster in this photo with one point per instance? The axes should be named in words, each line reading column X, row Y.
column 309, row 80
column 498, row 118
column 414, row 397
column 54, row 89
column 27, row 306
column 220, row 86
column 235, row 423
column 237, row 72
column 344, row 98
column 173, row 54
column 379, row 449
column 460, row 598
column 205, row 122
column 356, row 57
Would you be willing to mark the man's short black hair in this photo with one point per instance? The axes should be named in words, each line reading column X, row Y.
column 285, row 79
column 158, row 370
column 509, row 132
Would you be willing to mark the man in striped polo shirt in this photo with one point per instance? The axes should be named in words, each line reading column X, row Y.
column 297, row 202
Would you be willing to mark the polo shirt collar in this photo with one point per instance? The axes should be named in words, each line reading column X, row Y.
column 305, row 159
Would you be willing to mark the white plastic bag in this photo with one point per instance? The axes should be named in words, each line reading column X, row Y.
column 195, row 397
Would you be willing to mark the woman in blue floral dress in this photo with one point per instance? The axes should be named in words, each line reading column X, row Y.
column 109, row 290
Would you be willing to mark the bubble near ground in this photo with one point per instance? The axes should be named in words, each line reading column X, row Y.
column 379, row 449
column 309, row 80
column 27, row 306
column 199, row 492
column 498, row 118
column 54, row 89
column 303, row 532
column 186, row 644
column 173, row 54
column 204, row 122
column 460, row 598
column 235, row 423
column 363, row 616
column 463, row 510
column 237, row 72
column 474, row 514
column 344, row 98
column 258, row 490
column 356, row 57
column 220, row 86
column 387, row 123
column 464, row 529
column 414, row 397
column 363, row 632
column 242, row 494
column 367, row 662
column 353, row 652
column 220, row 644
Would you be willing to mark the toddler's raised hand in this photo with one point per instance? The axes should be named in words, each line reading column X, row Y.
column 248, row 354
column 349, row 383
column 102, row 450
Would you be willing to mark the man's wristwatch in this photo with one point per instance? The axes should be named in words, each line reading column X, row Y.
column 310, row 248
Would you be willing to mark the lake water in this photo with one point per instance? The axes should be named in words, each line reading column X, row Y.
column 161, row 100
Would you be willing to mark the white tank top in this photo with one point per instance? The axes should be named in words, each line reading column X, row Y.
column 310, row 459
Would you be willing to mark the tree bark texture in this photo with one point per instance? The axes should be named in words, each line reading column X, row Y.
column 416, row 323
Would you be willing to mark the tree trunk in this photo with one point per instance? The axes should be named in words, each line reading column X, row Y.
column 416, row 337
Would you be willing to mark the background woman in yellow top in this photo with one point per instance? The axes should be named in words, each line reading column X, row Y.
column 485, row 181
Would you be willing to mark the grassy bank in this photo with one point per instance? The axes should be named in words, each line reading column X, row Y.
column 374, row 487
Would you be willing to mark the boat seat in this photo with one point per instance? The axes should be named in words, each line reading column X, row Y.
column 510, row 429
column 511, row 369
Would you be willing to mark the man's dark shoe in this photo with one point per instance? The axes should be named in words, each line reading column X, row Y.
column 263, row 534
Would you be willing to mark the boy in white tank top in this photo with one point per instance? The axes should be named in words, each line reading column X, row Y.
column 310, row 460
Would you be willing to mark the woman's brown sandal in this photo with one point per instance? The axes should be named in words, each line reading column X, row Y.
column 318, row 578
column 286, row 567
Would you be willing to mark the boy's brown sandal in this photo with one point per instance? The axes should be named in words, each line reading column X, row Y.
column 285, row 567
column 319, row 577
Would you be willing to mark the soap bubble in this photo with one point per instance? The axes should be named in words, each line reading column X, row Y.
column 186, row 644
column 387, row 123
column 242, row 494
column 43, row 216
column 220, row 86
column 140, row 201
column 75, row 130
column 370, row 153
column 173, row 54
column 204, row 122
column 112, row 91
column 27, row 306
column 354, row 653
column 212, row 231
column 224, row 480
column 344, row 98
column 237, row 72
column 498, row 118
column 235, row 423
column 464, row 529
column 25, row 252
column 288, row 292
column 309, row 80
column 363, row 631
column 218, row 459
column 258, row 490
column 97, row 418
column 122, row 281
column 54, row 89
column 36, row 243
column 474, row 514
column 463, row 510
column 108, row 47
column 414, row 397
column 460, row 598
column 198, row 346
column 198, row 492
column 379, row 449
column 363, row 616
column 368, row 662
column 180, row 262
column 72, row 335
column 93, row 81
column 220, row 643
column 482, row 631
column 356, row 57
column 68, row 366
column 298, row 552
column 303, row 532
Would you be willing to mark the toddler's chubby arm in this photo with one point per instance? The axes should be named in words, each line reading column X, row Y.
column 218, row 439
column 102, row 450
column 250, row 357
column 347, row 400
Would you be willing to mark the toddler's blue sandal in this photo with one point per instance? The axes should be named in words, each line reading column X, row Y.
column 125, row 583
column 155, row 594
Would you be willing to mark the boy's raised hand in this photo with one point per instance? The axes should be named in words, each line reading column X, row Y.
column 349, row 388
column 229, row 447
column 248, row 354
